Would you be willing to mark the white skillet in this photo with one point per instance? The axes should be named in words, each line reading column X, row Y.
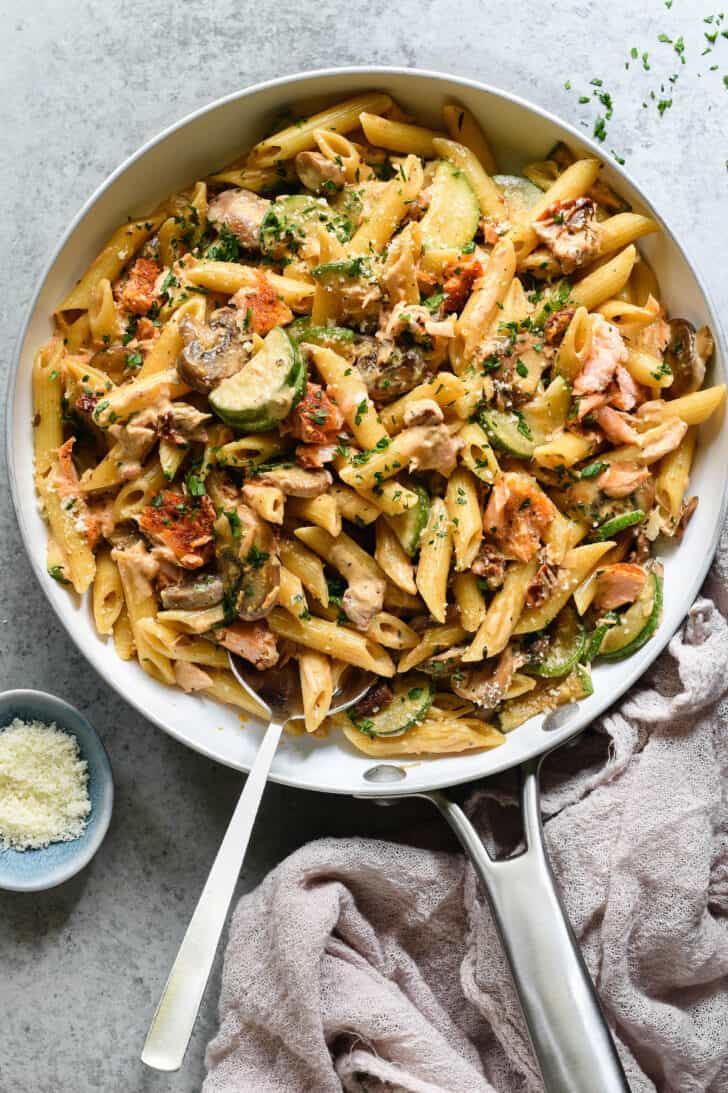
column 570, row 1039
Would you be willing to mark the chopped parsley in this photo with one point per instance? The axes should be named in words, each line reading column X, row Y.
column 522, row 426
column 195, row 485
column 593, row 469
column 233, row 521
column 432, row 303
column 226, row 248
column 256, row 558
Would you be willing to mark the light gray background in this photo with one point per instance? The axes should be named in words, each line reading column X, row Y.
column 82, row 84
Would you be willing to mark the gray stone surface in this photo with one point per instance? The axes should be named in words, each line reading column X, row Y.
column 82, row 84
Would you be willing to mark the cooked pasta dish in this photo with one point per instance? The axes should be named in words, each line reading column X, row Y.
column 359, row 399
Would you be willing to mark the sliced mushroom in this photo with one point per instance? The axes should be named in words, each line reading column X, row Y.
column 318, row 173
column 296, row 481
column 242, row 212
column 363, row 599
column 488, row 684
column 389, row 371
column 247, row 554
column 423, row 411
column 213, row 351
column 195, row 595
column 113, row 360
column 687, row 354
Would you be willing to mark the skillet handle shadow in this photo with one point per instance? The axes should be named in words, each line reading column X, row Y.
column 568, row 1031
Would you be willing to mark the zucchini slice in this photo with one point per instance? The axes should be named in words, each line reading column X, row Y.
column 333, row 337
column 412, row 699
column 343, row 269
column 286, row 222
column 409, row 526
column 453, row 215
column 547, row 696
column 266, row 390
column 509, row 432
column 567, row 646
column 519, row 192
column 615, row 524
column 548, row 411
column 637, row 624
column 595, row 639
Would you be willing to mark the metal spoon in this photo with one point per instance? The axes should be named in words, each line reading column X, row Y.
column 278, row 694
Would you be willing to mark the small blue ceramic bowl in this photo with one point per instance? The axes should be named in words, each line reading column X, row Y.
column 34, row 870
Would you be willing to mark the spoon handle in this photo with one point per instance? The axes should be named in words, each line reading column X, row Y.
column 172, row 1024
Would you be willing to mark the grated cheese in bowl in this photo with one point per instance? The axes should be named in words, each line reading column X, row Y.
column 43, row 786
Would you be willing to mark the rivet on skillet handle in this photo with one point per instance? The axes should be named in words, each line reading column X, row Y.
column 570, row 1037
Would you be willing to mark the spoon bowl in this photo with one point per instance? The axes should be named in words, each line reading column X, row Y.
column 278, row 690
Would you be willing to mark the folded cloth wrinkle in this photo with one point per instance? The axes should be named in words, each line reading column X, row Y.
column 371, row 966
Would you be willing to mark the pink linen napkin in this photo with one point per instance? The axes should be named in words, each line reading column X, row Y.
column 372, row 966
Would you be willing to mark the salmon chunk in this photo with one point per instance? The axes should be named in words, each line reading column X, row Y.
column 618, row 584
column 252, row 641
column 316, row 419
column 570, row 231
column 183, row 529
column 607, row 351
column 518, row 513
column 262, row 306
column 622, row 479
column 139, row 291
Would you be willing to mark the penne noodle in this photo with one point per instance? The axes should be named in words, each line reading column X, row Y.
column 672, row 479
column 577, row 564
column 503, row 613
column 120, row 249
column 466, row 520
column 606, row 281
column 393, row 560
column 350, row 394
column 342, row 118
column 317, row 687
column 229, row 277
column 396, row 136
column 392, row 204
column 353, row 507
column 339, row 641
column 470, row 601
column 575, row 181
column 434, row 565
column 108, row 595
column 444, row 389
column 462, row 127
column 307, row 566
column 391, row 632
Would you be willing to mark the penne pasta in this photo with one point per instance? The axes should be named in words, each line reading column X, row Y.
column 466, row 519
column 342, row 118
column 396, row 136
column 462, row 127
column 434, row 564
column 358, row 399
column 339, row 641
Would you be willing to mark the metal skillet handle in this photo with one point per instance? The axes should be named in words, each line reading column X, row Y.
column 570, row 1037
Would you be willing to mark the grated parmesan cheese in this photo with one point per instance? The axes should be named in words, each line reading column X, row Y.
column 43, row 786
